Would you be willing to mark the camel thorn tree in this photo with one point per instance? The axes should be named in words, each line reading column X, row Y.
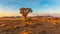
column 25, row 11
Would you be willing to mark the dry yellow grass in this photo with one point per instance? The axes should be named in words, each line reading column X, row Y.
column 29, row 26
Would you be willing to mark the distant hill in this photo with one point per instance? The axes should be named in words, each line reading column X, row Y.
column 11, row 17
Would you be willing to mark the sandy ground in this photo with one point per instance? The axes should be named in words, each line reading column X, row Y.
column 32, row 26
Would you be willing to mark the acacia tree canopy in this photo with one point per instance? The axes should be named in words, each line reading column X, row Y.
column 25, row 11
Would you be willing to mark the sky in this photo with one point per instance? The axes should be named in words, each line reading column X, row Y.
column 39, row 7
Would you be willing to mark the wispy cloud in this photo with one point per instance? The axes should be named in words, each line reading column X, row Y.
column 11, row 7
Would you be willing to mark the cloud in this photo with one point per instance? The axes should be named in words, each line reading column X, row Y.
column 51, row 8
column 53, row 11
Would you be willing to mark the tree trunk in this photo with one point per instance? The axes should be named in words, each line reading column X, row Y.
column 25, row 16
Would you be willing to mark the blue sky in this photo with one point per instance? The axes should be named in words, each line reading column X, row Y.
column 39, row 7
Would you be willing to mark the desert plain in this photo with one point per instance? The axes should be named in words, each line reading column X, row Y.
column 32, row 25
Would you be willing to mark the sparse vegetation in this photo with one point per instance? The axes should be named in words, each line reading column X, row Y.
column 34, row 26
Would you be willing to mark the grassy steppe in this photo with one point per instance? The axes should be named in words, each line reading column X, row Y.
column 39, row 25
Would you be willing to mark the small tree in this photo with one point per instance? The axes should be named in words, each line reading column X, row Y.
column 25, row 11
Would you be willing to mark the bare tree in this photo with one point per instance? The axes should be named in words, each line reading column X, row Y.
column 25, row 11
